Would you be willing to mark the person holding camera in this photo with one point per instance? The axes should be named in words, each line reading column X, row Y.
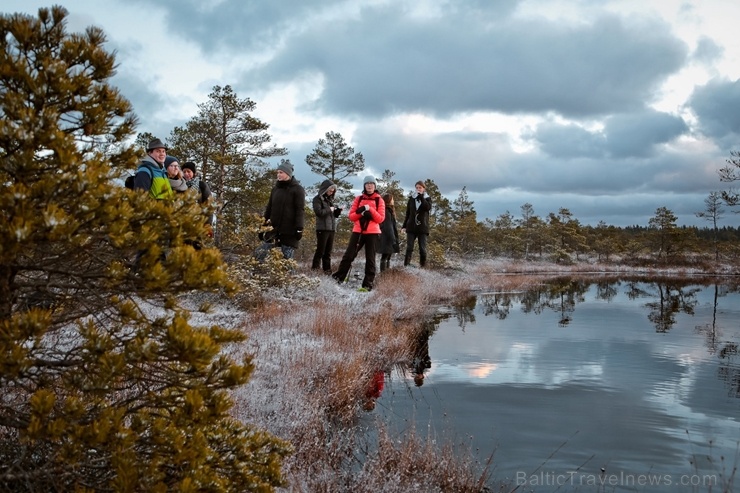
column 285, row 213
column 326, row 225
column 367, row 212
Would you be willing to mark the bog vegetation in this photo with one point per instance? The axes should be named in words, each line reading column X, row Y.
column 108, row 386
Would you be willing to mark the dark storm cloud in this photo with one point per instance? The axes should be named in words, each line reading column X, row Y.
column 715, row 104
column 569, row 141
column 387, row 61
column 637, row 134
column 623, row 136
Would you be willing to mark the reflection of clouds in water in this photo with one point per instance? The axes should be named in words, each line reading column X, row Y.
column 637, row 399
column 481, row 370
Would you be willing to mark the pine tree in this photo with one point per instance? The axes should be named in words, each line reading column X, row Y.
column 332, row 158
column 231, row 148
column 106, row 386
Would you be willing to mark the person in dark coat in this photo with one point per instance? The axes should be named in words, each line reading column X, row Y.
column 416, row 223
column 326, row 225
column 388, row 234
column 285, row 213
column 194, row 181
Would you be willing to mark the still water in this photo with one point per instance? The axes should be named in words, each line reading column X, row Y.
column 584, row 385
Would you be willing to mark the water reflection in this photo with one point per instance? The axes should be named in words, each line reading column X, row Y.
column 421, row 361
column 646, row 376
column 665, row 298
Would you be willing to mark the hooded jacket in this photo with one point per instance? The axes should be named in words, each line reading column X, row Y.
column 322, row 204
column 152, row 176
column 286, row 211
column 371, row 225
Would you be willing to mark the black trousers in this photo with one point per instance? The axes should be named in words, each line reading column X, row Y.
column 324, row 247
column 411, row 239
column 356, row 242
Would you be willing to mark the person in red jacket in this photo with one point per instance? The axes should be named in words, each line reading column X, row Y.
column 367, row 212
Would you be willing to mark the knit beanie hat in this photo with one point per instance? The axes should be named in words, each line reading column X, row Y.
column 286, row 168
column 369, row 179
column 189, row 165
column 169, row 160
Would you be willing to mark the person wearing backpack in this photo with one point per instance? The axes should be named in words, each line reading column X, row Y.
column 151, row 174
column 367, row 212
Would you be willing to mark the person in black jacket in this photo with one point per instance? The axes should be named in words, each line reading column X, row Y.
column 326, row 225
column 195, row 181
column 416, row 223
column 388, row 234
column 285, row 213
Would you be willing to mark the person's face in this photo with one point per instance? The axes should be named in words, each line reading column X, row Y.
column 282, row 175
column 370, row 187
column 419, row 189
column 188, row 174
column 173, row 169
column 158, row 154
column 331, row 191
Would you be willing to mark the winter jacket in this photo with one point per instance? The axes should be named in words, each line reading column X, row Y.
column 286, row 211
column 388, row 234
column 201, row 187
column 322, row 204
column 371, row 224
column 152, row 176
column 417, row 214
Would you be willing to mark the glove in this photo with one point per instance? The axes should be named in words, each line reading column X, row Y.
column 337, row 211
column 363, row 209
column 299, row 234
column 367, row 214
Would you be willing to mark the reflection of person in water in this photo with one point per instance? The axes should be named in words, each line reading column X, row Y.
column 374, row 389
column 421, row 360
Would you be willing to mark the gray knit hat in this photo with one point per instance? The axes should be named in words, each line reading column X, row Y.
column 369, row 179
column 286, row 168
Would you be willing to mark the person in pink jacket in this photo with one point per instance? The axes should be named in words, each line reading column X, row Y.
column 367, row 212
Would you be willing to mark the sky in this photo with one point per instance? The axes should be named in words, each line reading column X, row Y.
column 608, row 108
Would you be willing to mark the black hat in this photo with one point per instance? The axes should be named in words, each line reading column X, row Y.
column 155, row 144
column 189, row 165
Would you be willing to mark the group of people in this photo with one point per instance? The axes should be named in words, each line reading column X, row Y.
column 374, row 225
column 163, row 176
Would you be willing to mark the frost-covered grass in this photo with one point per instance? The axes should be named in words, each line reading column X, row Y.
column 316, row 348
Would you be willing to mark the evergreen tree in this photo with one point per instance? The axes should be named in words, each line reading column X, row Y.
column 388, row 184
column 713, row 213
column 731, row 174
column 332, row 158
column 106, row 386
column 231, row 148
column 663, row 231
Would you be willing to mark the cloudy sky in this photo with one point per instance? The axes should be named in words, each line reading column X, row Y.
column 609, row 108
